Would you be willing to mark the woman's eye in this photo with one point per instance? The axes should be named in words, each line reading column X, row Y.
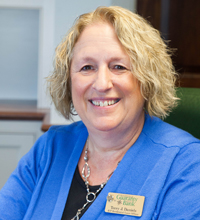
column 119, row 67
column 86, row 68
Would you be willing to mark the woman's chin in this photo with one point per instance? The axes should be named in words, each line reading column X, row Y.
column 103, row 125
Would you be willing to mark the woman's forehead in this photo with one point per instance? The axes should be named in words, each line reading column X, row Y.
column 98, row 37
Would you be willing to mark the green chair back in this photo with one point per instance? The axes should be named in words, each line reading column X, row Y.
column 187, row 114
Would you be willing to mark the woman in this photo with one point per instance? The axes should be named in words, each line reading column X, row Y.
column 114, row 70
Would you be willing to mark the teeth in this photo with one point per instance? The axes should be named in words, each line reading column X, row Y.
column 105, row 103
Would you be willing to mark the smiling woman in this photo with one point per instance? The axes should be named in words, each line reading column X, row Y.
column 115, row 71
column 103, row 86
column 149, row 58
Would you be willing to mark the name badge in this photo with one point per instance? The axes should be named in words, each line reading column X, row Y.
column 124, row 204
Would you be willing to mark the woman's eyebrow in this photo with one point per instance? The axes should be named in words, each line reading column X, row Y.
column 111, row 59
column 85, row 59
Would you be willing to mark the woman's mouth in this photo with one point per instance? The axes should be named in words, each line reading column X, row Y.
column 104, row 103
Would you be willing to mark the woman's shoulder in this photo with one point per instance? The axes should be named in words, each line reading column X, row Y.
column 60, row 138
column 62, row 133
column 166, row 134
column 69, row 131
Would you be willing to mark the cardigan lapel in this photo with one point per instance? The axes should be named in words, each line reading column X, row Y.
column 68, row 175
column 137, row 174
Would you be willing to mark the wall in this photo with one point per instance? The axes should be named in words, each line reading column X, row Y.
column 19, row 42
column 65, row 14
column 45, row 51
column 129, row 4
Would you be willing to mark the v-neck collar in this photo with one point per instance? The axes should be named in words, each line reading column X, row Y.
column 137, row 174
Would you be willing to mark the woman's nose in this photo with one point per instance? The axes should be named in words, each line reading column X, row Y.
column 102, row 81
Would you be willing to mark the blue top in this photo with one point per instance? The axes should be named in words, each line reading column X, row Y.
column 163, row 165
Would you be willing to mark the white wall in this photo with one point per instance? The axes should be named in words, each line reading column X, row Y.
column 65, row 14
column 67, row 11
column 129, row 4
column 19, row 42
column 46, row 42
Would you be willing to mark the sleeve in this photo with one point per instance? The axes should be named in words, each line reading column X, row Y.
column 180, row 197
column 16, row 193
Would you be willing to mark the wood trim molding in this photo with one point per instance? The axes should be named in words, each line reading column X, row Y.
column 24, row 110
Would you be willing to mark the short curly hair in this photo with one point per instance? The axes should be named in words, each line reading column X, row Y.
column 150, row 59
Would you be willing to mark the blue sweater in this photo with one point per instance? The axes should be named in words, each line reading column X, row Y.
column 163, row 165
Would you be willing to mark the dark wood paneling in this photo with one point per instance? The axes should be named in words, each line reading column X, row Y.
column 190, row 80
column 151, row 10
column 183, row 32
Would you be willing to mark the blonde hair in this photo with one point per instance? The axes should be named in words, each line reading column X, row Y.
column 150, row 59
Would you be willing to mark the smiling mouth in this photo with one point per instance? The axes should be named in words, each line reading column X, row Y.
column 104, row 103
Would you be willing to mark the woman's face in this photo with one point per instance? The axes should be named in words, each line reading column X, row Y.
column 105, row 93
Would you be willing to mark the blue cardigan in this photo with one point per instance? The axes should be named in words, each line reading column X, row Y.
column 163, row 165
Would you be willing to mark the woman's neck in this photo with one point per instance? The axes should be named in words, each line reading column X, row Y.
column 106, row 149
column 118, row 139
